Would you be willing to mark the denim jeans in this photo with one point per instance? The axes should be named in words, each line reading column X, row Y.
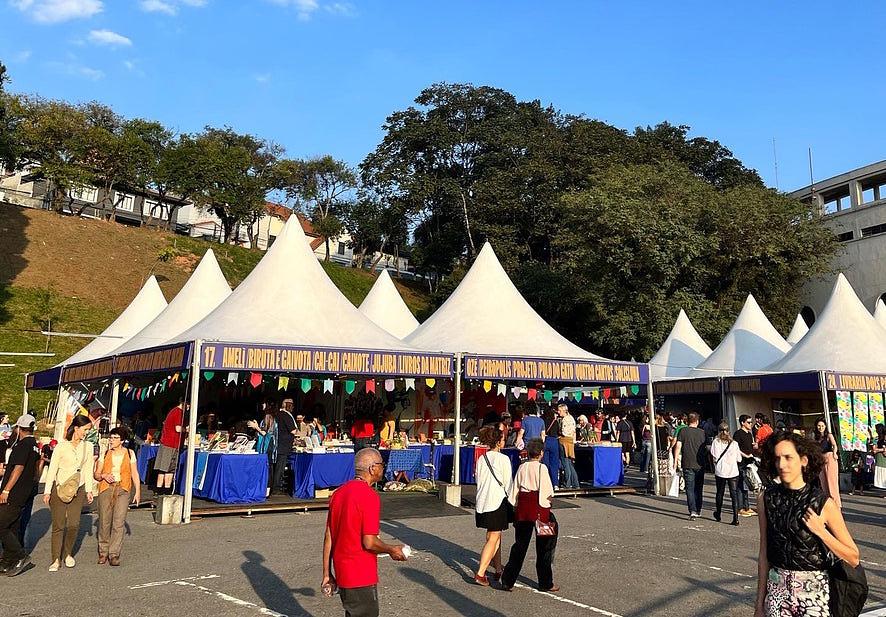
column 694, row 479
column 645, row 456
column 743, row 499
column 570, row 476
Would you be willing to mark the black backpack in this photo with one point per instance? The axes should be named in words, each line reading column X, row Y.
column 849, row 589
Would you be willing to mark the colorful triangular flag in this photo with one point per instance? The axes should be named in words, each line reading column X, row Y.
column 577, row 396
column 305, row 385
column 430, row 382
column 548, row 395
column 389, row 385
column 623, row 391
column 516, row 391
column 283, row 382
column 350, row 386
column 561, row 395
column 232, row 377
column 487, row 385
column 327, row 385
column 500, row 389
column 410, row 383
column 207, row 375
column 370, row 385
column 635, row 390
column 531, row 393
column 255, row 379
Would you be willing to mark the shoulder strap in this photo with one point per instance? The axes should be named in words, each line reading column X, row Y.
column 492, row 471
column 723, row 453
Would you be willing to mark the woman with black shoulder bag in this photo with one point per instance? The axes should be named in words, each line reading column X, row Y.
column 532, row 492
column 494, row 510
column 69, row 482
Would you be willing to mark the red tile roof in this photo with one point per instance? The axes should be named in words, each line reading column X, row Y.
column 282, row 212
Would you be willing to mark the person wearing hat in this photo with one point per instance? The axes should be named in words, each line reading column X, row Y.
column 16, row 490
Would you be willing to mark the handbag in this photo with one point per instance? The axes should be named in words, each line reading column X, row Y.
column 849, row 589
column 542, row 528
column 67, row 490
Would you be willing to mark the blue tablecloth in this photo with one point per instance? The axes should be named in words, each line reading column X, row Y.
column 408, row 461
column 146, row 454
column 514, row 455
column 228, row 478
column 599, row 465
column 443, row 462
column 313, row 471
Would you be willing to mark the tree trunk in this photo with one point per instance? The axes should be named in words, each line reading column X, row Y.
column 327, row 248
column 397, row 259
column 381, row 253
column 464, row 207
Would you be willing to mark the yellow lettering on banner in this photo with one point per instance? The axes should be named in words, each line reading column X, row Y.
column 232, row 357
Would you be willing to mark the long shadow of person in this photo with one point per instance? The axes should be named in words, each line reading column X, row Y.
column 39, row 525
column 88, row 527
column 275, row 594
column 461, row 604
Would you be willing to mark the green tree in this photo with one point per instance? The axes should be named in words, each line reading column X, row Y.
column 7, row 125
column 374, row 226
column 151, row 144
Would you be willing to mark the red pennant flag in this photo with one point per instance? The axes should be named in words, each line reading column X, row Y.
column 255, row 379
column 370, row 385
column 605, row 392
column 531, row 393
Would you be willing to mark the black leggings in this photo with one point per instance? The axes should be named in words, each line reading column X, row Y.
column 733, row 495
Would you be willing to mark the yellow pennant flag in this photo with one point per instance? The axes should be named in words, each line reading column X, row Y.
column 487, row 386
column 431, row 382
column 282, row 383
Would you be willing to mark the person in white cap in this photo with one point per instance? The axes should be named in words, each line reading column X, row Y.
column 16, row 490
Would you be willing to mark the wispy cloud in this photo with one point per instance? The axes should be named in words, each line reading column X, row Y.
column 74, row 69
column 22, row 56
column 168, row 7
column 262, row 78
column 304, row 9
column 109, row 38
column 342, row 9
column 56, row 11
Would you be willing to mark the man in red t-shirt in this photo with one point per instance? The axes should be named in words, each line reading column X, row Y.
column 352, row 543
column 764, row 429
column 170, row 444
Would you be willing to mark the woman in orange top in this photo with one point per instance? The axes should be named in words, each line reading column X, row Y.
column 119, row 484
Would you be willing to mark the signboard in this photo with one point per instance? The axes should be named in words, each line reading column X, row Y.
column 88, row 371
column 553, row 369
column 710, row 385
column 285, row 359
column 50, row 378
column 158, row 359
column 856, row 382
column 789, row 382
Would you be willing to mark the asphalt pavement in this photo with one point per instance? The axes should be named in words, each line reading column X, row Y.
column 628, row 556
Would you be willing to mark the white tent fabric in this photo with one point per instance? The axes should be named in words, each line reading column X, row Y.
column 146, row 305
column 844, row 338
column 798, row 331
column 487, row 315
column 288, row 299
column 384, row 305
column 750, row 345
column 204, row 290
column 682, row 351
column 880, row 313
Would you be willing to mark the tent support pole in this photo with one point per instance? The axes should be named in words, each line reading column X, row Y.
column 654, row 454
column 25, row 394
column 824, row 403
column 456, row 463
column 192, row 431
column 59, row 418
column 115, row 401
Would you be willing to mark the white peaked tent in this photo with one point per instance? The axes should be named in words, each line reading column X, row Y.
column 682, row 351
column 204, row 290
column 487, row 315
column 384, row 305
column 880, row 313
column 146, row 305
column 798, row 331
column 288, row 299
column 751, row 344
column 844, row 338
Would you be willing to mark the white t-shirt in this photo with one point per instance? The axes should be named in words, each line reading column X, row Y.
column 489, row 492
column 728, row 465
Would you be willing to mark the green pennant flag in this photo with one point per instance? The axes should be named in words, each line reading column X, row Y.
column 184, row 374
column 548, row 395
column 349, row 386
column 305, row 385
column 635, row 389
column 207, row 375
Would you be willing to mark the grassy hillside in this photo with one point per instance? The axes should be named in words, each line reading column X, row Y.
column 81, row 273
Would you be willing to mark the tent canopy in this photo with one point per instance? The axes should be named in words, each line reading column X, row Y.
column 682, row 351
column 798, row 331
column 751, row 344
column 205, row 289
column 147, row 304
column 880, row 313
column 844, row 338
column 384, row 305
column 288, row 299
column 486, row 314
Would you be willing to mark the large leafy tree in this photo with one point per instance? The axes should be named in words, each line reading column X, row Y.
column 7, row 125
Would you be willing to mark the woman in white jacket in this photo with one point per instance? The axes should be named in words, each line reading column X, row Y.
column 494, row 513
column 726, row 455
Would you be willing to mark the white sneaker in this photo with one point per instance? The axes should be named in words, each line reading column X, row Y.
column 54, row 566
column 69, row 561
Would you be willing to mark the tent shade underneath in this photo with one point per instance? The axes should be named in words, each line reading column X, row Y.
column 290, row 359
column 158, row 359
column 787, row 382
column 44, row 380
column 857, row 382
column 554, row 369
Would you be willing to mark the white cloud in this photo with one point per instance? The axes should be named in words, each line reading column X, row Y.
column 303, row 8
column 158, row 6
column 129, row 64
column 56, row 11
column 262, row 78
column 22, row 56
column 107, row 37
column 75, row 69
column 197, row 3
column 343, row 9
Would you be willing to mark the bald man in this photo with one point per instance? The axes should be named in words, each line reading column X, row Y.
column 351, row 545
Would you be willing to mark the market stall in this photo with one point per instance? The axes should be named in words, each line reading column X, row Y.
column 225, row 477
column 319, row 471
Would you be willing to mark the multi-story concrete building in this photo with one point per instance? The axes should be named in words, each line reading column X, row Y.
column 854, row 207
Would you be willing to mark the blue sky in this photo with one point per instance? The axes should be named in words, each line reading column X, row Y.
column 321, row 76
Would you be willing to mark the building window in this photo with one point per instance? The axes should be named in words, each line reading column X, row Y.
column 341, row 248
column 845, row 237
column 867, row 195
column 153, row 208
column 831, row 206
column 873, row 230
column 125, row 202
column 84, row 193
column 808, row 315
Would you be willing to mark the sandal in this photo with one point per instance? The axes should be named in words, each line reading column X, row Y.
column 481, row 580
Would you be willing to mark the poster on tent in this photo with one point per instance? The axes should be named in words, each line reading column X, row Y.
column 875, row 408
column 844, row 413
column 861, row 432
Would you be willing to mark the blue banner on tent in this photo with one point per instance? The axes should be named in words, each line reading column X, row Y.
column 857, row 382
column 88, row 371
column 554, row 369
column 50, row 378
column 166, row 358
column 788, row 382
column 286, row 359
column 674, row 387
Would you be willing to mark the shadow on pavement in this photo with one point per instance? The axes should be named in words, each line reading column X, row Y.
column 460, row 603
column 274, row 593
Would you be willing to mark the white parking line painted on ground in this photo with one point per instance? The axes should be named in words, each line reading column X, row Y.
column 871, row 563
column 175, row 580
column 877, row 612
column 227, row 598
column 587, row 607
column 715, row 568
